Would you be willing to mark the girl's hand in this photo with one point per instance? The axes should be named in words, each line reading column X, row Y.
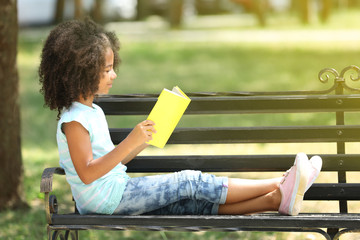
column 142, row 132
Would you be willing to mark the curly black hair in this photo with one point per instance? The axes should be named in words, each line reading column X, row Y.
column 72, row 60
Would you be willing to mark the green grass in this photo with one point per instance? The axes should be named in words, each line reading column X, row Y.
column 168, row 58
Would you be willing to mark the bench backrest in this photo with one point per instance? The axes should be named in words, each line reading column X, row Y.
column 213, row 105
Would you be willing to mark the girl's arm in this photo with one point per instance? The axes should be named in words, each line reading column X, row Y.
column 90, row 169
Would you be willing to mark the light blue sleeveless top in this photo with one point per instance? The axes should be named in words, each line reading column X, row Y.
column 103, row 195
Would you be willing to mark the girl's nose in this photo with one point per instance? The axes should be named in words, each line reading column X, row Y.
column 113, row 74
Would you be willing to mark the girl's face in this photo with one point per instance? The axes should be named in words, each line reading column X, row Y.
column 108, row 76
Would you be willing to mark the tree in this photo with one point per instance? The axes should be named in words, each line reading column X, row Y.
column 79, row 13
column 11, row 170
column 59, row 10
column 97, row 11
column 175, row 13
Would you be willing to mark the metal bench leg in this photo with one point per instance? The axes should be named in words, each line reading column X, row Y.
column 73, row 235
column 57, row 235
column 332, row 232
column 63, row 234
column 49, row 232
column 344, row 231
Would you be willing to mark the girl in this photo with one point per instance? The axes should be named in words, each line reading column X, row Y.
column 77, row 63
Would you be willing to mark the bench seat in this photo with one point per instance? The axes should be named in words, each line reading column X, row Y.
column 335, row 130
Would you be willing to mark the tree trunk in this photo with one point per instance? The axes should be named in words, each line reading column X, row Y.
column 305, row 11
column 59, row 11
column 11, row 170
column 97, row 11
column 143, row 9
column 259, row 9
column 326, row 10
column 175, row 13
column 78, row 9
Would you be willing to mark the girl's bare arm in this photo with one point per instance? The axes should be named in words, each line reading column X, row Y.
column 90, row 169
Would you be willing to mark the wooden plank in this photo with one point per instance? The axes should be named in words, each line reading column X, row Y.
column 237, row 163
column 232, row 105
column 333, row 191
column 289, row 134
column 264, row 221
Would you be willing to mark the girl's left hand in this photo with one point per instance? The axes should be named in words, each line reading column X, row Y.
column 142, row 132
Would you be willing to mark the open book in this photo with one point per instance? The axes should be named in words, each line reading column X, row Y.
column 166, row 114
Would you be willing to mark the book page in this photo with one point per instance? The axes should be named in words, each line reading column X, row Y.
column 178, row 91
column 175, row 91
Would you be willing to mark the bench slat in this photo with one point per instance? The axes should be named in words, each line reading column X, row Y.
column 231, row 105
column 237, row 222
column 333, row 191
column 295, row 134
column 237, row 163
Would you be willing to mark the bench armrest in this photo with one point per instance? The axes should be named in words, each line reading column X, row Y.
column 46, row 187
column 47, row 178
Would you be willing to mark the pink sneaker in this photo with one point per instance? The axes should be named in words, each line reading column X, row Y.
column 316, row 164
column 293, row 186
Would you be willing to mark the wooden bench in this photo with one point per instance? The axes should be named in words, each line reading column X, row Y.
column 332, row 101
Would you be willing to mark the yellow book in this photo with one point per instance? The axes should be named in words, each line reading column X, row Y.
column 166, row 114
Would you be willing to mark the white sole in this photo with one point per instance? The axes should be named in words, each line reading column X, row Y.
column 297, row 195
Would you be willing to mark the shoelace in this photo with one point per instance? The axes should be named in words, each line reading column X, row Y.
column 285, row 175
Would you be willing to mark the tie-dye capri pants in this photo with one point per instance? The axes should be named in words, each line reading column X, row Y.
column 179, row 193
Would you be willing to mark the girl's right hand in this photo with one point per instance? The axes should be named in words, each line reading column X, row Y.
column 142, row 132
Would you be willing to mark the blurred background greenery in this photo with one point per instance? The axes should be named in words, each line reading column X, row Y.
column 222, row 47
